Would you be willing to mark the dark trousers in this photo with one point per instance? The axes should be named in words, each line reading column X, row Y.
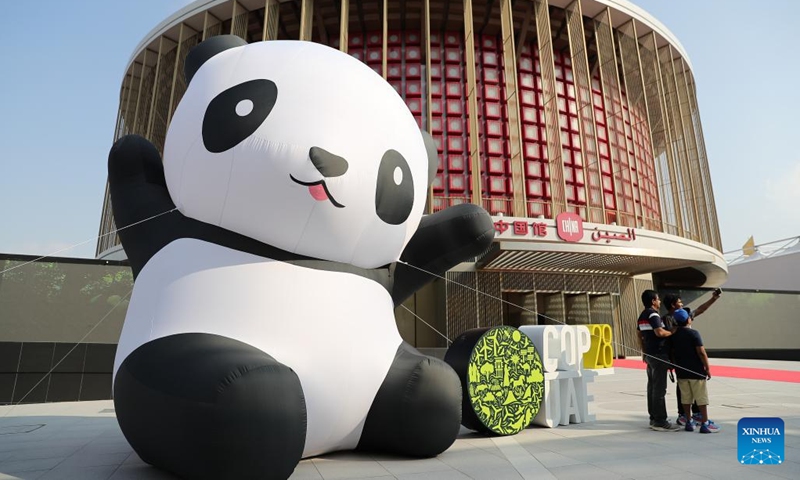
column 695, row 408
column 657, row 366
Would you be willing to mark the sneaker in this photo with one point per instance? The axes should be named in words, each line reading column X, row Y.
column 689, row 426
column 708, row 427
column 681, row 420
column 697, row 417
column 665, row 427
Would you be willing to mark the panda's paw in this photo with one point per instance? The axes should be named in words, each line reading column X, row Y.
column 206, row 406
column 417, row 410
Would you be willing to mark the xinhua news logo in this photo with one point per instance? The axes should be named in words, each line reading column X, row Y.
column 761, row 441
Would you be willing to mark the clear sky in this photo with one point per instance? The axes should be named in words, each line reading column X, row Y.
column 62, row 63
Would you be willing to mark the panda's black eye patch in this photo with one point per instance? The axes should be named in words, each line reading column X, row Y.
column 394, row 195
column 236, row 113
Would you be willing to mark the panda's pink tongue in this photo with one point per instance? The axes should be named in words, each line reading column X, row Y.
column 318, row 192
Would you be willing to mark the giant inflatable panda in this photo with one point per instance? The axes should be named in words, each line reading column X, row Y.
column 269, row 250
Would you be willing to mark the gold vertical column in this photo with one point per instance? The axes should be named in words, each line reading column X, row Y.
column 612, row 96
column 306, row 19
column 642, row 103
column 175, row 74
column 154, row 96
column 708, row 189
column 385, row 40
column 696, row 198
column 526, row 25
column 662, row 154
column 139, row 93
column 550, row 100
column 206, row 25
column 344, row 25
column 271, row 19
column 265, row 33
column 124, row 104
column 233, row 17
column 688, row 228
column 239, row 20
column 426, row 33
column 671, row 147
column 631, row 80
column 512, row 107
column 105, row 238
column 472, row 106
column 587, row 126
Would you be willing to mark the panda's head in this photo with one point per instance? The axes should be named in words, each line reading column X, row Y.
column 299, row 146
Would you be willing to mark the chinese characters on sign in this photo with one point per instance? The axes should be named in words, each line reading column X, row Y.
column 522, row 228
column 569, row 228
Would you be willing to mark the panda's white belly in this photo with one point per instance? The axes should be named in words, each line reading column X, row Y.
column 335, row 330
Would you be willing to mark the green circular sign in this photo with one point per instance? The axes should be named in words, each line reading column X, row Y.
column 505, row 380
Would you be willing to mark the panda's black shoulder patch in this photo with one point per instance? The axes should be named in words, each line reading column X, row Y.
column 394, row 195
column 236, row 113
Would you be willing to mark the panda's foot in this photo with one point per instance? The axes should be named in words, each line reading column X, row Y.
column 417, row 410
column 205, row 406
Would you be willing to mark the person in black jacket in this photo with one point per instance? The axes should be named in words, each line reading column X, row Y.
column 655, row 352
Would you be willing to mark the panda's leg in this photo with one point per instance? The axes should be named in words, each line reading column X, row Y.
column 206, row 406
column 417, row 410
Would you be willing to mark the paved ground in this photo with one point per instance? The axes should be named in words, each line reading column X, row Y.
column 82, row 441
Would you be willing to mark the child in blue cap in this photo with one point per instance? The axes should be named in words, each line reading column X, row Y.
column 692, row 370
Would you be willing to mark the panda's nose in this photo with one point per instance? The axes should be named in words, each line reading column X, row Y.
column 328, row 164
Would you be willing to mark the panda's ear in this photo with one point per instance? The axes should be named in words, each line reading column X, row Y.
column 198, row 55
column 433, row 156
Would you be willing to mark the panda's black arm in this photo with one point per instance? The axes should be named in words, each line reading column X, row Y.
column 442, row 241
column 139, row 193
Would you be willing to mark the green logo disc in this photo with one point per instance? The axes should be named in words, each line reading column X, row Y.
column 505, row 380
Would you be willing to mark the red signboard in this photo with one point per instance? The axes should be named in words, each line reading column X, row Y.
column 569, row 227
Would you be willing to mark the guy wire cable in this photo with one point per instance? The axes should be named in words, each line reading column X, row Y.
column 14, row 405
column 615, row 343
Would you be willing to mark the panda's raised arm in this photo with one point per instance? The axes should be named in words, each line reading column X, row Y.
column 442, row 241
column 140, row 200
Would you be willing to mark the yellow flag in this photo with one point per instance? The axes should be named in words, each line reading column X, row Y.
column 749, row 247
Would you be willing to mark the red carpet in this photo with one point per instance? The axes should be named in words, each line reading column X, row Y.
column 735, row 372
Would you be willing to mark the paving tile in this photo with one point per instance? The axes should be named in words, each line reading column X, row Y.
column 583, row 472
column 16, row 466
column 637, row 469
column 348, row 465
column 62, row 472
column 88, row 459
column 398, row 467
column 553, row 460
column 31, row 475
column 443, row 475
column 33, row 452
column 680, row 476
column 305, row 470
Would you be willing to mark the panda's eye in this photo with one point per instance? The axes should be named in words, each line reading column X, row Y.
column 236, row 113
column 394, row 195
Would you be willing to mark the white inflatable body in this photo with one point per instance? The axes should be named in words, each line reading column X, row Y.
column 261, row 328
column 291, row 312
